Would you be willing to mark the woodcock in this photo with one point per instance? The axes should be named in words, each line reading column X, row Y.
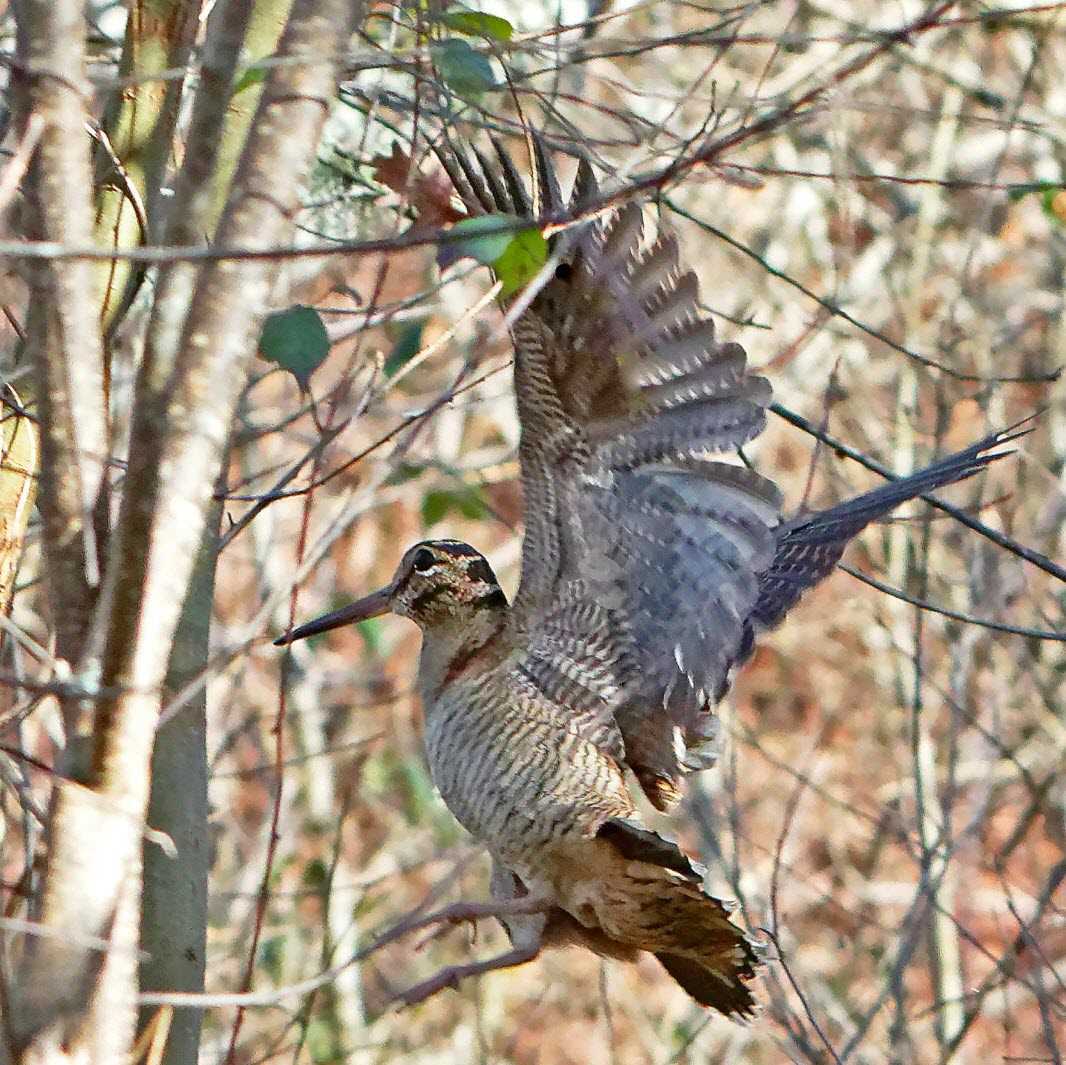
column 652, row 557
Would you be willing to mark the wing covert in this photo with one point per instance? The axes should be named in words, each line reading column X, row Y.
column 643, row 544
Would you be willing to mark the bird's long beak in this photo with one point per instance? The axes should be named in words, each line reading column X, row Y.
column 370, row 606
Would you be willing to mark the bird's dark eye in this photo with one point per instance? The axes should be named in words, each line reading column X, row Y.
column 424, row 559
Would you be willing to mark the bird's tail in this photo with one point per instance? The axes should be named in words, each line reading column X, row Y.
column 708, row 955
column 810, row 546
column 654, row 900
column 705, row 985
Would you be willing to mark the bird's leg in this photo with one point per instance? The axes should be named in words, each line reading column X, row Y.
column 451, row 976
column 472, row 912
column 464, row 911
column 460, row 912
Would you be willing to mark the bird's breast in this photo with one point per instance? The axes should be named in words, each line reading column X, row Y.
column 511, row 771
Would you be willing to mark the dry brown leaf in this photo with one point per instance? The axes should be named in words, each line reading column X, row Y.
column 429, row 194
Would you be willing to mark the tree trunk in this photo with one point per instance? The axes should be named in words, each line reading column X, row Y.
column 72, row 1000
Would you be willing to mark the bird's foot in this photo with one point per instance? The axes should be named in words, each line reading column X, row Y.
column 448, row 977
column 443, row 921
column 447, row 922
column 451, row 976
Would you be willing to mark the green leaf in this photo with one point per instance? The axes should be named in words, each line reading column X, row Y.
column 464, row 70
column 987, row 98
column 1053, row 202
column 296, row 340
column 1052, row 198
column 272, row 955
column 478, row 24
column 521, row 260
column 515, row 256
column 438, row 503
column 316, row 875
column 1019, row 192
column 404, row 472
column 471, row 504
column 435, row 505
column 484, row 238
column 252, row 75
column 320, row 1040
column 407, row 346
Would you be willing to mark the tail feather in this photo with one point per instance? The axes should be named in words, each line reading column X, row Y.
column 649, row 903
column 632, row 840
column 691, row 934
column 707, row 987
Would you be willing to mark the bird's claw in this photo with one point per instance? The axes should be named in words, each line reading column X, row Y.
column 445, row 926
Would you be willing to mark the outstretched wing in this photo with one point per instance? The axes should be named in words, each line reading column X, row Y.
column 637, row 513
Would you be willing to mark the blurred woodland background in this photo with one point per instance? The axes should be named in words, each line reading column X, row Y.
column 874, row 198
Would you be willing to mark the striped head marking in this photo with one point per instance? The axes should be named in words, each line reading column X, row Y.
column 441, row 580
column 437, row 581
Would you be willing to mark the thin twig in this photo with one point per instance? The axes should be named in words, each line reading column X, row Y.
column 955, row 615
column 998, row 538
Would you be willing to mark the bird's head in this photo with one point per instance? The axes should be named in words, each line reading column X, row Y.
column 436, row 582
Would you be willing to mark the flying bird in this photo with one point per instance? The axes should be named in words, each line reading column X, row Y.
column 653, row 556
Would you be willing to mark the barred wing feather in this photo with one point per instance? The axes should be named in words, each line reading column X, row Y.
column 629, row 408
column 650, row 560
